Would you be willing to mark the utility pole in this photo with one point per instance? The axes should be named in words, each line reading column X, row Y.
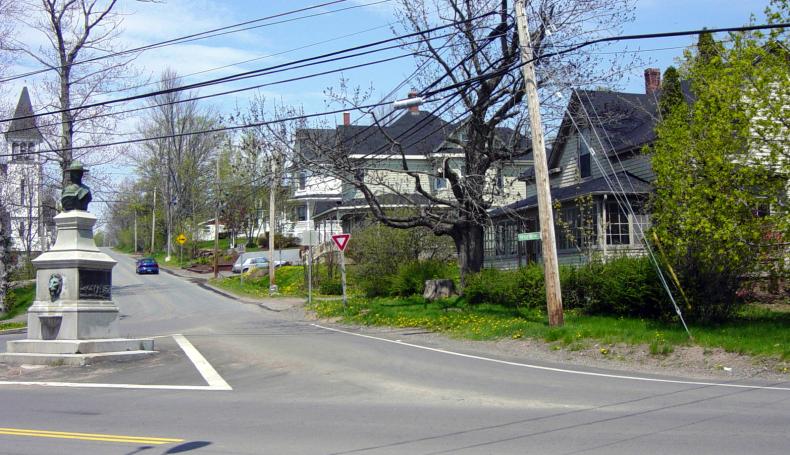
column 216, row 220
column 135, row 229
column 153, row 223
column 550, row 265
column 272, row 189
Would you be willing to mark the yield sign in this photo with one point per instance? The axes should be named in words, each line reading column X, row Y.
column 341, row 240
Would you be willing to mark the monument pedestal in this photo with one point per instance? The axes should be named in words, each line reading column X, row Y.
column 73, row 318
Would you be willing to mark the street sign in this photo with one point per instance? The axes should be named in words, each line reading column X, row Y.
column 341, row 240
column 181, row 239
column 524, row 236
column 310, row 238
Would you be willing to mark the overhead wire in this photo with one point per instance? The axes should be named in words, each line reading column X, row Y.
column 205, row 34
column 622, row 200
column 247, row 74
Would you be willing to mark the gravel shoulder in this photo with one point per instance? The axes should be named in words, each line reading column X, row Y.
column 692, row 362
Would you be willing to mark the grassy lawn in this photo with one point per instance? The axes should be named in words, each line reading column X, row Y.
column 755, row 331
column 289, row 279
column 23, row 298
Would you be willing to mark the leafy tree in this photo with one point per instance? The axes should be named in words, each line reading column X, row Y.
column 671, row 94
column 721, row 164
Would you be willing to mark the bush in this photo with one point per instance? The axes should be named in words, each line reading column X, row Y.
column 411, row 277
column 620, row 287
column 280, row 241
column 330, row 287
column 623, row 286
column 509, row 288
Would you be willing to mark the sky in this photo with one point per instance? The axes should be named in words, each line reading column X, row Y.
column 149, row 21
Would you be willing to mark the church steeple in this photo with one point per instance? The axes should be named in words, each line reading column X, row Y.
column 23, row 134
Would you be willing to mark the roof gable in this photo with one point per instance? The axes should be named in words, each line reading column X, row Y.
column 23, row 126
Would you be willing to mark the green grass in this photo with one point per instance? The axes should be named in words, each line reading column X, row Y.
column 22, row 298
column 289, row 279
column 12, row 325
column 754, row 332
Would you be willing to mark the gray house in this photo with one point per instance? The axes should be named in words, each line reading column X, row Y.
column 599, row 178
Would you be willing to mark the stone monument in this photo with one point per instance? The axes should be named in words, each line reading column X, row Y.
column 73, row 319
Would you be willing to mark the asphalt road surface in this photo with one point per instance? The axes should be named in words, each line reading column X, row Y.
column 246, row 380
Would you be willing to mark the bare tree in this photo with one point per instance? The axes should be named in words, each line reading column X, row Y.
column 484, row 125
column 7, row 7
column 84, row 62
column 179, row 162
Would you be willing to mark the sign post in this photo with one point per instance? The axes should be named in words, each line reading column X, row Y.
column 181, row 239
column 341, row 241
column 310, row 239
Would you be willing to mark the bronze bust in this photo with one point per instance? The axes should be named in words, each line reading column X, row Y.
column 75, row 195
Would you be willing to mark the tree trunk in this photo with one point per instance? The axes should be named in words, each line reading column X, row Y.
column 468, row 239
column 67, row 121
column 5, row 255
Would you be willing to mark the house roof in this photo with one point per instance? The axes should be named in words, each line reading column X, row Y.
column 23, row 126
column 419, row 132
column 631, row 184
column 622, row 121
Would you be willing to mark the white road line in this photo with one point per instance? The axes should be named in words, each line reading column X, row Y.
column 209, row 374
column 557, row 370
column 204, row 368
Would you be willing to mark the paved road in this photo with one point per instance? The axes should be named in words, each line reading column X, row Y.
column 299, row 388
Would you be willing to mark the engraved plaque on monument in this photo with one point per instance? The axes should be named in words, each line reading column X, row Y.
column 95, row 284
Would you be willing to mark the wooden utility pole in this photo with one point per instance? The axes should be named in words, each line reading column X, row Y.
column 272, row 220
column 550, row 265
column 135, row 229
column 153, row 223
column 216, row 220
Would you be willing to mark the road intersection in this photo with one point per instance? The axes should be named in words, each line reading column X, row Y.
column 237, row 378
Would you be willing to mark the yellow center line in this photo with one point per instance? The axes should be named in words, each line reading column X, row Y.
column 88, row 436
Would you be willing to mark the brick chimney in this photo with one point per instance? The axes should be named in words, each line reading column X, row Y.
column 652, row 80
column 414, row 94
column 346, row 118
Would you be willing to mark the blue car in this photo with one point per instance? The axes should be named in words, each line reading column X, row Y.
column 147, row 265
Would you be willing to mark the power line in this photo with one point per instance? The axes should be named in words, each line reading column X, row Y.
column 243, row 89
column 425, row 94
column 253, row 73
column 205, row 34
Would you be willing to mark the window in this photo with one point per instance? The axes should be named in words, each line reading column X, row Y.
column 439, row 183
column 577, row 227
column 359, row 175
column 617, row 230
column 302, row 180
column 584, row 154
column 301, row 213
column 22, row 184
column 500, row 180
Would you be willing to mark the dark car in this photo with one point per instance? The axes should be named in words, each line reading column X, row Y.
column 147, row 265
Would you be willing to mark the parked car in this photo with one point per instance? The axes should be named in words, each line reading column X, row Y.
column 258, row 263
column 147, row 265
column 244, row 257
